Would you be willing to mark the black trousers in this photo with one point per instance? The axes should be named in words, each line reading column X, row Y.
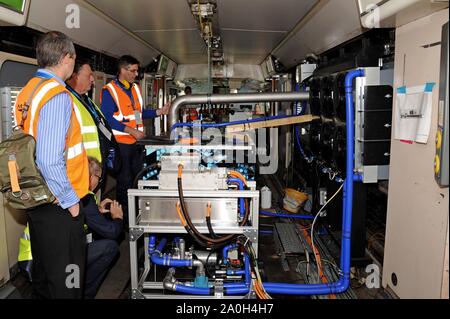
column 100, row 255
column 132, row 163
column 58, row 245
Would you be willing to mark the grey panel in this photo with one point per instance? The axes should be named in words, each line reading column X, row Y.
column 280, row 15
column 167, row 25
column 16, row 73
column 162, row 211
column 176, row 42
column 250, row 42
column 148, row 15
column 243, row 58
column 336, row 22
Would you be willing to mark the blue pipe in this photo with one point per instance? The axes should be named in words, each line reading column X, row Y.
column 270, row 214
column 344, row 282
column 192, row 290
column 230, row 288
column 245, row 272
column 241, row 200
column 207, row 291
column 248, row 277
column 225, row 252
column 165, row 260
column 237, row 291
column 213, row 125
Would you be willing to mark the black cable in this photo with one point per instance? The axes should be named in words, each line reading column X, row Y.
column 210, row 229
column 144, row 171
column 208, row 240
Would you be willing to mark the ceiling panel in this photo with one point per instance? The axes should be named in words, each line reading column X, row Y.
column 242, row 58
column 167, row 25
column 252, row 29
column 148, row 15
column 95, row 32
column 175, row 42
column 335, row 23
column 244, row 43
column 279, row 15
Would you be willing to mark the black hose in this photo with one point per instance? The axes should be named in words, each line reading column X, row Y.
column 208, row 240
column 210, row 229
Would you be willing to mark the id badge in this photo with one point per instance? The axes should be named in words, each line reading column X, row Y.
column 138, row 116
column 105, row 131
column 89, row 238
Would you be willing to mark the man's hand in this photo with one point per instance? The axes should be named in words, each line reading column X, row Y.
column 75, row 210
column 138, row 135
column 102, row 207
column 116, row 210
column 164, row 110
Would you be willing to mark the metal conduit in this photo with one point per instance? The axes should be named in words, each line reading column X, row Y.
column 189, row 100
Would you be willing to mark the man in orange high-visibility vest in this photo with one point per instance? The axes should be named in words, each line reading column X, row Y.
column 122, row 105
column 56, row 230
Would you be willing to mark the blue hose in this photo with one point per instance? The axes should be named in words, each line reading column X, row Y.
column 241, row 200
column 192, row 290
column 248, row 277
column 225, row 252
column 213, row 125
column 270, row 214
column 164, row 260
column 344, row 282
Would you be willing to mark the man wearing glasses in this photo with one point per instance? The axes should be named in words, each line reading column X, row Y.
column 122, row 105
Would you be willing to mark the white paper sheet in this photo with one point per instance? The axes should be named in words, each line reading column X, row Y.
column 413, row 113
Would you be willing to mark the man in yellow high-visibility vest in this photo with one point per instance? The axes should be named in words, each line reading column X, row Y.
column 98, row 138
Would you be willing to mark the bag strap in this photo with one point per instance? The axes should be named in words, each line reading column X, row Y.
column 27, row 104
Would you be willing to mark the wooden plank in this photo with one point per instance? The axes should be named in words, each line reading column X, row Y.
column 271, row 123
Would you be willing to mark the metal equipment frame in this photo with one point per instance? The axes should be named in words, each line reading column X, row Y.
column 138, row 229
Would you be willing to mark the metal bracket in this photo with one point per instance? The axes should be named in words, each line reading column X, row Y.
column 136, row 233
column 218, row 289
column 251, row 234
column 137, row 294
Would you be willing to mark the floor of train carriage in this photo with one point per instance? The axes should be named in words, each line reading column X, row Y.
column 274, row 264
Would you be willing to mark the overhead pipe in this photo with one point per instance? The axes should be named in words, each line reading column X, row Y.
column 187, row 100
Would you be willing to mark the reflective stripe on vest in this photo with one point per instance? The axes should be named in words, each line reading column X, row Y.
column 77, row 167
column 89, row 131
column 125, row 112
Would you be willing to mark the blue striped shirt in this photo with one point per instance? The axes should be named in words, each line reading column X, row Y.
column 53, row 124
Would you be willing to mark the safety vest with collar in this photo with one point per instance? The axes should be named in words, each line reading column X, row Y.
column 77, row 166
column 127, row 110
column 89, row 130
